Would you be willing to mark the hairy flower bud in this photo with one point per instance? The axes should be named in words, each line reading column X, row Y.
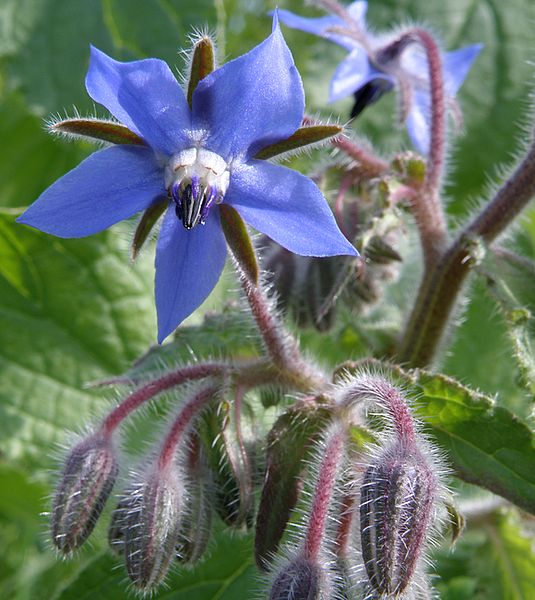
column 299, row 580
column 396, row 504
column 196, row 522
column 230, row 461
column 86, row 482
column 117, row 524
column 152, row 525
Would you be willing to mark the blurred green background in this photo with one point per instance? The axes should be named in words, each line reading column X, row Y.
column 74, row 311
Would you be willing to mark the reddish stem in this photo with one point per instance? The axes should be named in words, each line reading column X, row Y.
column 155, row 387
column 188, row 412
column 323, row 494
column 427, row 205
column 368, row 165
column 343, row 532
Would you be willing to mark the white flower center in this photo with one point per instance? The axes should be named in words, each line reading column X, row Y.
column 195, row 179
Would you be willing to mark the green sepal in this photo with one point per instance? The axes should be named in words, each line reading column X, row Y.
column 145, row 225
column 289, row 445
column 240, row 242
column 302, row 137
column 230, row 464
column 202, row 64
column 96, row 129
column 456, row 521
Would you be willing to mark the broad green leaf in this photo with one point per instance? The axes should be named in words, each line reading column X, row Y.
column 479, row 352
column 71, row 311
column 510, row 281
column 51, row 63
column 227, row 575
column 485, row 444
column 506, row 563
column 221, row 335
column 16, row 21
column 30, row 159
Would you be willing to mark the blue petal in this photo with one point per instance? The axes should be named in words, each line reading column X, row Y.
column 456, row 67
column 419, row 119
column 252, row 101
column 109, row 186
column 352, row 73
column 143, row 95
column 287, row 207
column 357, row 11
column 318, row 26
column 188, row 265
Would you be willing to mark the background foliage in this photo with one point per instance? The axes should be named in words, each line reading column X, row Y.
column 76, row 311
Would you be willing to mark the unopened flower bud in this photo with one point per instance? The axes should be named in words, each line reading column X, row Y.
column 85, row 484
column 396, row 505
column 196, row 523
column 117, row 524
column 299, row 580
column 230, row 462
column 152, row 525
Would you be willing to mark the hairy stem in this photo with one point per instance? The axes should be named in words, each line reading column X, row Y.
column 281, row 346
column 153, row 388
column 323, row 493
column 188, row 412
column 426, row 204
column 442, row 283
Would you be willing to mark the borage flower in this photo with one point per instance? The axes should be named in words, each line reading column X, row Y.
column 196, row 158
column 377, row 64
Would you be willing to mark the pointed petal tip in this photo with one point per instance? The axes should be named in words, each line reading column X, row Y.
column 275, row 22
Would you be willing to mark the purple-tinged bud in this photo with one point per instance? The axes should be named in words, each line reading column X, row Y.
column 396, row 506
column 84, row 486
column 196, row 522
column 152, row 525
column 299, row 580
column 117, row 524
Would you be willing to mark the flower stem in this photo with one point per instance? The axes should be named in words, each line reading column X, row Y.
column 323, row 493
column 181, row 423
column 442, row 282
column 367, row 165
column 157, row 386
column 426, row 204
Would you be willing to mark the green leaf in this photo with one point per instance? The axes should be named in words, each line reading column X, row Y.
column 509, row 278
column 71, row 311
column 30, row 159
column 506, row 564
column 224, row 335
column 228, row 574
column 53, row 54
column 485, row 444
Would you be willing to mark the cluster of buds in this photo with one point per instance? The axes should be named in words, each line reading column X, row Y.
column 165, row 510
column 370, row 213
column 372, row 512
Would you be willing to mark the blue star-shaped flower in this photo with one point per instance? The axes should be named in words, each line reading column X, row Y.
column 375, row 65
column 199, row 158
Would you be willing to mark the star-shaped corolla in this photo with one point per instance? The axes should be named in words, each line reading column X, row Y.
column 197, row 159
column 377, row 64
